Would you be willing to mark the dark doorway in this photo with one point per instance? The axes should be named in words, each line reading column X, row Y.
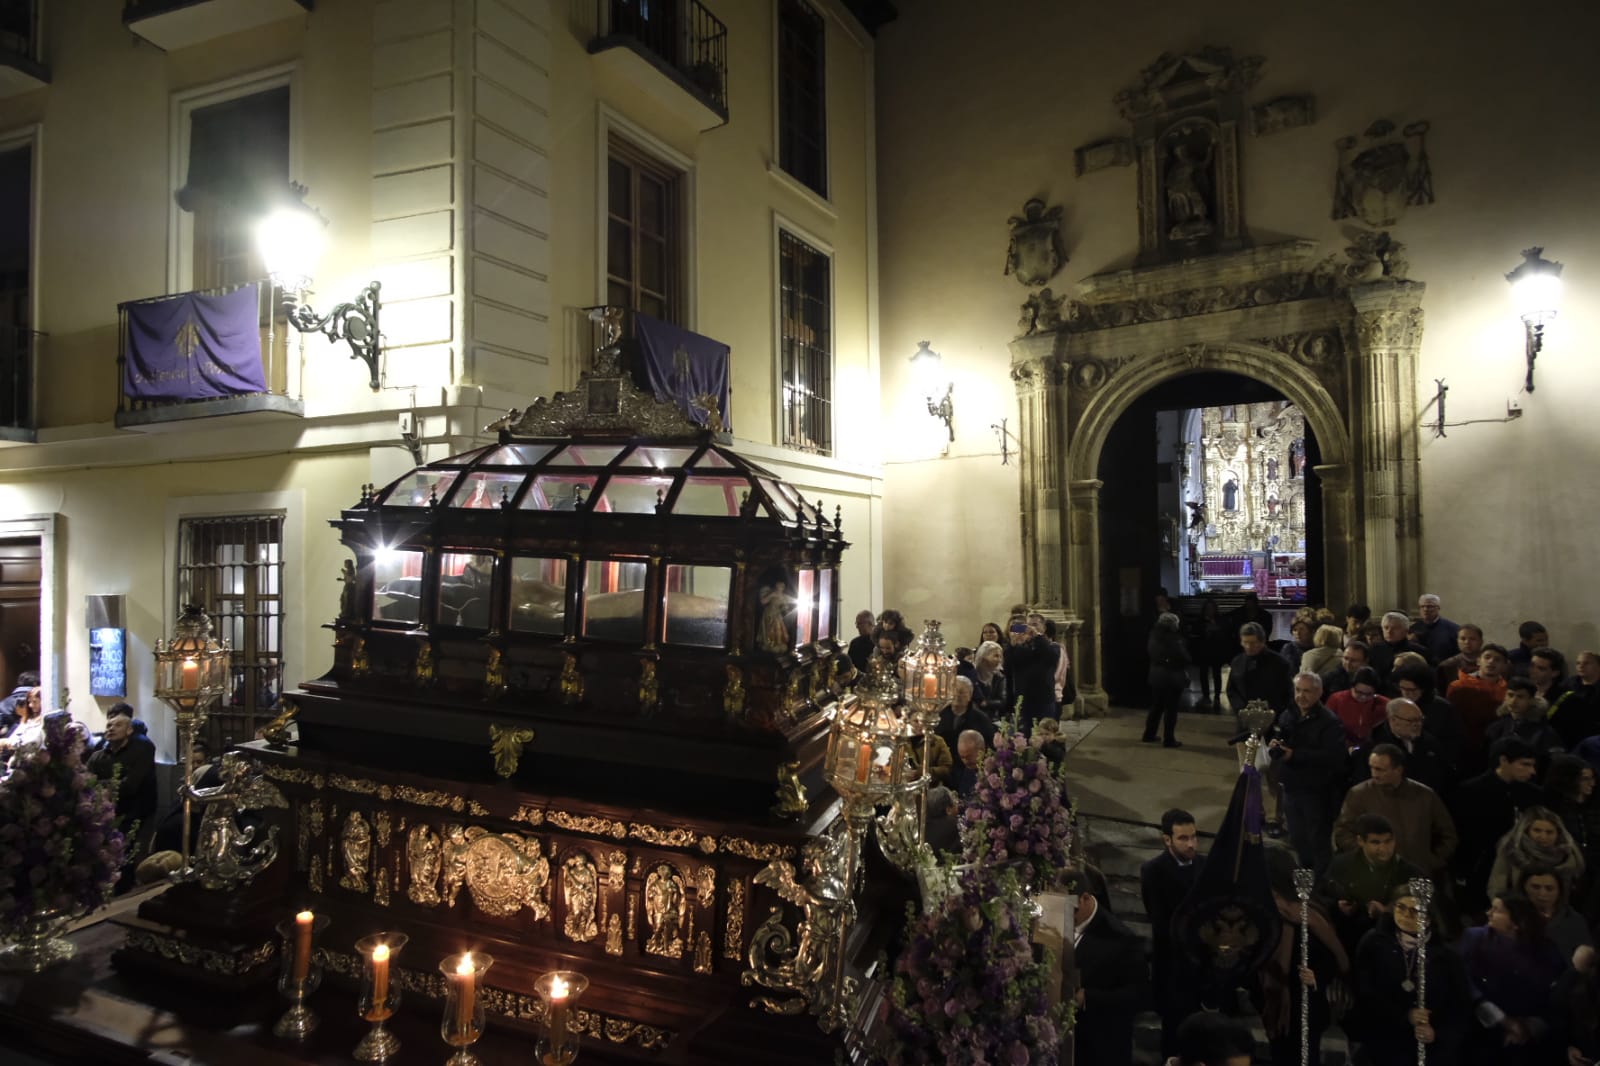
column 1138, row 533
column 21, row 570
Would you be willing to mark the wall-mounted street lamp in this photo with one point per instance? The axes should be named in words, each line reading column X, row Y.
column 1536, row 289
column 928, row 365
column 291, row 242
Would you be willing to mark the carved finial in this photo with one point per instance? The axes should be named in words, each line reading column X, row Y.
column 838, row 514
column 433, row 496
column 505, row 498
column 577, row 495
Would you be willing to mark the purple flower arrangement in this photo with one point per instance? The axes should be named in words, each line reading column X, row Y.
column 1016, row 815
column 967, row 988
column 59, row 848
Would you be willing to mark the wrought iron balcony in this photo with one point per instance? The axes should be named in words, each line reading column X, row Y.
column 170, row 24
column 19, row 351
column 680, row 40
column 22, row 67
column 208, row 385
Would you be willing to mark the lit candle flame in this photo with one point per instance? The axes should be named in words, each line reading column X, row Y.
column 380, row 953
column 465, row 965
column 305, row 916
column 558, row 988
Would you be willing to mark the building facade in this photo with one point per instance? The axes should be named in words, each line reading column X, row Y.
column 1324, row 203
column 498, row 167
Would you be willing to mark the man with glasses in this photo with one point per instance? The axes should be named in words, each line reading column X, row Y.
column 1424, row 832
column 1405, row 727
column 1432, row 631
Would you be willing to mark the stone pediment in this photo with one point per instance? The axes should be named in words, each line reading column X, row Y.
column 1175, row 80
column 1296, row 256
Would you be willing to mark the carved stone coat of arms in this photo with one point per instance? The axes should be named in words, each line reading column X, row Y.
column 1035, row 254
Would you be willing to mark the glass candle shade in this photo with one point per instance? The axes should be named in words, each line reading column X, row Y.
column 559, row 990
column 462, row 1024
column 299, row 972
column 380, row 993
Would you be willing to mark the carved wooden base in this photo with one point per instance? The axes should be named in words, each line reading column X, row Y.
column 243, row 970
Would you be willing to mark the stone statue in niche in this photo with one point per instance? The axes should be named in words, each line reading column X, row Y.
column 1272, row 468
column 1297, row 458
column 1230, row 495
column 1382, row 173
column 1034, row 254
column 347, row 594
column 1189, row 181
column 1197, row 514
column 1273, row 503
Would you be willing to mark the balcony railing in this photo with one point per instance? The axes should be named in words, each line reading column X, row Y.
column 275, row 354
column 19, row 350
column 680, row 37
column 22, row 66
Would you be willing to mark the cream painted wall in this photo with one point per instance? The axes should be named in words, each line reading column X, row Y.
column 733, row 266
column 113, row 520
column 975, row 116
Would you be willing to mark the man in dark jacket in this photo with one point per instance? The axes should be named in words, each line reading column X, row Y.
column 862, row 645
column 1526, row 720
column 1308, row 747
column 1341, row 677
column 1486, row 807
column 125, row 747
column 961, row 716
column 1112, row 983
column 1396, row 641
column 1031, row 671
column 1257, row 674
column 1163, row 883
column 1434, row 632
column 1405, row 729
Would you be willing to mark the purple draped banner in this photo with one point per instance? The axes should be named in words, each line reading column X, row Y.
column 685, row 368
column 194, row 346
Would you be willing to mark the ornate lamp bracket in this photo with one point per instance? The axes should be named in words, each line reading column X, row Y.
column 355, row 323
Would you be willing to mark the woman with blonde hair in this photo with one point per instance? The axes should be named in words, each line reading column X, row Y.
column 1326, row 644
column 1539, row 839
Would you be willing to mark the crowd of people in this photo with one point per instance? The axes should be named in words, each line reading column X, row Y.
column 1407, row 747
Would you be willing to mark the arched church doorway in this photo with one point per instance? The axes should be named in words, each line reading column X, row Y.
column 1207, row 493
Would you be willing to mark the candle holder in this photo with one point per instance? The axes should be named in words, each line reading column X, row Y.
column 559, row 990
column 380, row 994
column 299, row 975
column 462, row 1024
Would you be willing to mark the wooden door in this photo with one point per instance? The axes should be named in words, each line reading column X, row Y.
column 21, row 570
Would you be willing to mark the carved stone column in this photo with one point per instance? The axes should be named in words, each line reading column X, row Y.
column 1039, row 431
column 1388, row 319
column 1083, row 534
column 1342, row 561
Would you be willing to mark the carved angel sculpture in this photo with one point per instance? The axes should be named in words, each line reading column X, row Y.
column 228, row 855
column 664, row 903
column 580, row 884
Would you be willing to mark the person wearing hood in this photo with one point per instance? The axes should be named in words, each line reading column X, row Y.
column 125, row 747
column 1523, row 714
column 1386, row 1018
column 1285, row 972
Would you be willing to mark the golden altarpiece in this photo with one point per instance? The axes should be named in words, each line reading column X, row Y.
column 581, row 696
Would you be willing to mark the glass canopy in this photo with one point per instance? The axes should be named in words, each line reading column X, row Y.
column 701, row 480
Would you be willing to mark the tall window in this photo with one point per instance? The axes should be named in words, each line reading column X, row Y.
column 16, row 302
column 804, row 297
column 644, row 240
column 238, row 162
column 233, row 567
column 802, row 114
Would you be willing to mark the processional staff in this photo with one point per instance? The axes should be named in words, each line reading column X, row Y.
column 1303, row 881
column 1422, row 891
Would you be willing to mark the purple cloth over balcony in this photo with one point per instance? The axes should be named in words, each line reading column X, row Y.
column 685, row 368
column 194, row 346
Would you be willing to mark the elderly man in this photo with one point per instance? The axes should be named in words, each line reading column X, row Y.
column 1405, row 727
column 1257, row 674
column 1396, row 640
column 1424, row 832
column 961, row 715
column 970, row 749
column 862, row 644
column 1435, row 633
column 1308, row 748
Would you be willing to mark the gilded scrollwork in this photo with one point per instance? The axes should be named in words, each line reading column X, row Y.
column 504, row 872
column 380, row 887
column 705, row 885
column 529, row 815
column 702, row 952
column 424, row 857
column 293, row 775
column 505, row 745
column 182, row 951
column 355, row 848
column 590, row 824
column 580, row 890
column 384, row 824
column 665, row 911
column 427, row 797
column 614, row 935
column 315, row 808
column 733, row 931
column 667, row 838
column 750, row 849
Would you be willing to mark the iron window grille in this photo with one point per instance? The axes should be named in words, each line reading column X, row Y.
column 806, row 345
